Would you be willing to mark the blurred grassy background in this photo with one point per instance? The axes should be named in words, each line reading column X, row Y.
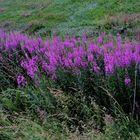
column 73, row 17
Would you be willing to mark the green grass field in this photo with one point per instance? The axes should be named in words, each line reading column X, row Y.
column 73, row 17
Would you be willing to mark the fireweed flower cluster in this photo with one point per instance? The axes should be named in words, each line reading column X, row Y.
column 70, row 54
column 30, row 66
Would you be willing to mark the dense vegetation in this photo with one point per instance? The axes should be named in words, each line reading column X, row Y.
column 69, row 70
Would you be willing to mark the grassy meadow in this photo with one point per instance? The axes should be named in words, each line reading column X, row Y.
column 73, row 17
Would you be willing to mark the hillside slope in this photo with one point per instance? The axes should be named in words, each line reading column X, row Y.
column 70, row 16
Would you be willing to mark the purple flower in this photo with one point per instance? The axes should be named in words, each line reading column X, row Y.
column 30, row 66
column 21, row 81
column 127, row 81
column 37, row 56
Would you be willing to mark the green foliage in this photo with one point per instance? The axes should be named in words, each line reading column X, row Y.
column 80, row 102
column 74, row 103
column 21, row 127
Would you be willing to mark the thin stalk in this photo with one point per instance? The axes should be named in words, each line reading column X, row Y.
column 120, row 110
column 135, row 88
